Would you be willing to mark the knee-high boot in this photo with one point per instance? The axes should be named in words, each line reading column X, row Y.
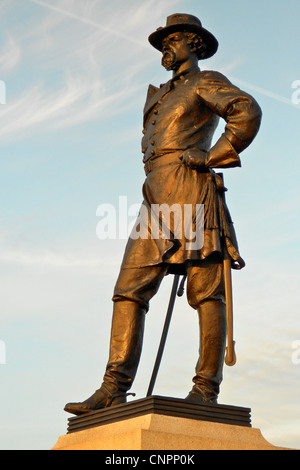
column 125, row 345
column 126, row 340
column 209, row 368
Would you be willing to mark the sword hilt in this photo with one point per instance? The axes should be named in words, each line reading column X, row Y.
column 230, row 357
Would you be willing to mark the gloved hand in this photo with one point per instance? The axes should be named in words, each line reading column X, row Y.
column 194, row 158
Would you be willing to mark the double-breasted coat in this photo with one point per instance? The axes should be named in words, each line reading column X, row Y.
column 183, row 115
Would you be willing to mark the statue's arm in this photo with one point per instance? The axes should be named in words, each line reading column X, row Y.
column 241, row 113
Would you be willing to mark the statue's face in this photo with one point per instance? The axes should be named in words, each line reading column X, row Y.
column 175, row 50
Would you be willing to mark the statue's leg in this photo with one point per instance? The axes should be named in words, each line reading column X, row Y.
column 133, row 290
column 205, row 292
column 127, row 331
column 209, row 368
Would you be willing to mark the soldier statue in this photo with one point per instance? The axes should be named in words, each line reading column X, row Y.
column 180, row 118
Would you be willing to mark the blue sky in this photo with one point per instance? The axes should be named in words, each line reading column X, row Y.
column 76, row 75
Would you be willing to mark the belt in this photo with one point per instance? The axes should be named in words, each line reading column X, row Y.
column 162, row 160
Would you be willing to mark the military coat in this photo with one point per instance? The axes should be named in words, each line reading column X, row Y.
column 179, row 116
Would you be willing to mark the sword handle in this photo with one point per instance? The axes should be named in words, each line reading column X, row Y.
column 230, row 357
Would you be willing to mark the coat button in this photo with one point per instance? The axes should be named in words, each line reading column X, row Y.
column 153, row 122
column 155, row 111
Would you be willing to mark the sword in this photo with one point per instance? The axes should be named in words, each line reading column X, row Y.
column 230, row 357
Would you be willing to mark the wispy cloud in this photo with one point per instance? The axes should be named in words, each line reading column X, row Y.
column 88, row 21
column 86, row 61
column 75, row 101
column 10, row 53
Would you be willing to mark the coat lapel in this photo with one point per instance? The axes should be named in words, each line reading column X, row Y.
column 154, row 95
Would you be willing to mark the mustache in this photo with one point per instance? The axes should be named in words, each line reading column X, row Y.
column 168, row 59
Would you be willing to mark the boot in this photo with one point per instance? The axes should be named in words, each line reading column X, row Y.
column 209, row 368
column 126, row 340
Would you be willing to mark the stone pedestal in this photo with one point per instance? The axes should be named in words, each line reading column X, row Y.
column 158, row 423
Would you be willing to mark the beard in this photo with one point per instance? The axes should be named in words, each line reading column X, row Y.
column 168, row 60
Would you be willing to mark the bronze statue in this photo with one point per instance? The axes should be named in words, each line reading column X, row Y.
column 180, row 119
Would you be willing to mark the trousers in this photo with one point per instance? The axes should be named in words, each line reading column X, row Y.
column 133, row 291
column 205, row 281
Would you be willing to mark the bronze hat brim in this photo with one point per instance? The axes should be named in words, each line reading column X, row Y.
column 211, row 42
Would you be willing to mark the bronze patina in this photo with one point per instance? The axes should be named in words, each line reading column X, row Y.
column 180, row 118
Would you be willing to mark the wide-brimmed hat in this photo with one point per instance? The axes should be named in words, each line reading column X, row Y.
column 184, row 22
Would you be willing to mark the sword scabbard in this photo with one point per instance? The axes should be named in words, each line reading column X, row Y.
column 230, row 357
